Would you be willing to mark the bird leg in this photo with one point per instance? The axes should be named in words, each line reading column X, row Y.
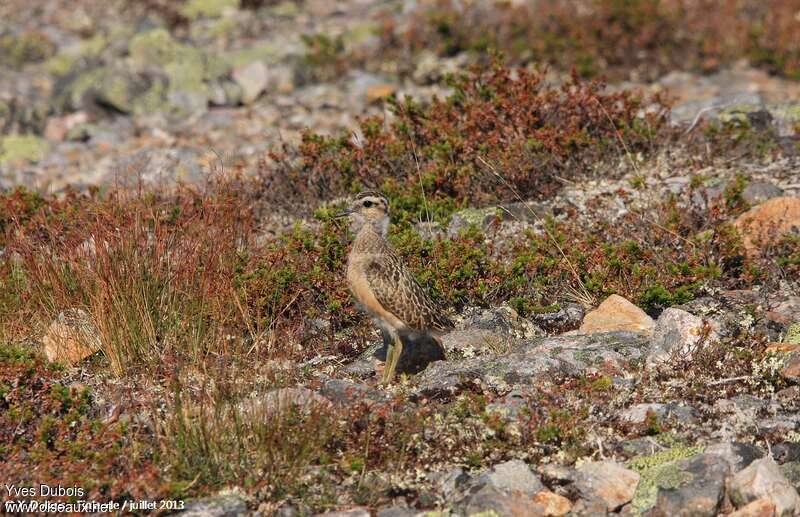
column 392, row 357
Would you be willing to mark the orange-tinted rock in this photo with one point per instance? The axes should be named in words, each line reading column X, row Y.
column 769, row 222
column 71, row 337
column 614, row 314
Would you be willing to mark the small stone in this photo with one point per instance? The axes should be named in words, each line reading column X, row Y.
column 638, row 414
column 490, row 501
column 608, row 481
column 378, row 92
column 511, row 476
column 553, row 504
column 769, row 222
column 353, row 512
column 71, row 337
column 677, row 334
column 759, row 508
column 738, row 454
column 764, row 479
column 791, row 368
column 58, row 128
column 617, row 313
column 220, row 505
column 253, row 78
column 282, row 400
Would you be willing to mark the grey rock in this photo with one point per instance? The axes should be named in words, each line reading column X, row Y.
column 644, row 446
column 353, row 512
column 511, row 476
column 221, row 505
column 482, row 218
column 739, row 455
column 489, row 499
column 764, row 479
column 397, row 511
column 677, row 334
column 568, row 317
column 343, row 392
column 532, row 360
column 608, row 482
column 637, row 414
column 252, row 78
column 701, row 494
column 786, row 452
column 450, row 482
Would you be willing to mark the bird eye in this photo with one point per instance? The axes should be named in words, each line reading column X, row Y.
column 368, row 204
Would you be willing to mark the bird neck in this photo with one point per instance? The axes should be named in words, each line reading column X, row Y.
column 371, row 235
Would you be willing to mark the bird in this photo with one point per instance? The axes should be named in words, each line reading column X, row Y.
column 382, row 284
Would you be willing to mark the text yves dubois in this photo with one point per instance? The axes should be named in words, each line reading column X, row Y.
column 43, row 490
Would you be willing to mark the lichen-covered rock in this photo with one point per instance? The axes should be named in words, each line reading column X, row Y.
column 607, row 481
column 763, row 479
column 529, row 362
column 661, row 470
column 71, row 337
column 617, row 314
column 700, row 493
column 22, row 148
column 491, row 502
column 208, row 8
column 677, row 334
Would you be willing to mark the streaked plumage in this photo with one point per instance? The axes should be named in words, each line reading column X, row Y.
column 383, row 285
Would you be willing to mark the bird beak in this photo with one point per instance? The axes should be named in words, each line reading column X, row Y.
column 343, row 214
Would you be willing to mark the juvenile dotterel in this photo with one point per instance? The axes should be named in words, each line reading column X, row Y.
column 382, row 284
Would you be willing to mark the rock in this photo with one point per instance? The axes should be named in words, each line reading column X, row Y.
column 462, row 220
column 607, row 481
column 16, row 149
column 344, row 392
column 58, row 128
column 791, row 368
column 552, row 504
column 378, row 92
column 450, row 482
column 763, row 479
column 220, row 505
column 535, row 359
column 353, row 512
column 757, row 192
column 759, row 508
column 786, row 452
column 677, row 334
column 491, row 501
column 568, row 317
column 252, row 78
column 769, row 222
column 471, row 342
column 283, row 400
column 615, row 314
column 71, row 337
column 664, row 469
column 397, row 511
column 511, row 476
column 638, row 413
column 702, row 491
column 739, row 455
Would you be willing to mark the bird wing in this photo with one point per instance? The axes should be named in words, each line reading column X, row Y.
column 398, row 292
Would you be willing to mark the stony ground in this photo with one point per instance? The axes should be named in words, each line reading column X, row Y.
column 588, row 406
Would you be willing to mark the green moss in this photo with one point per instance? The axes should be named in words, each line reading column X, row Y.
column 15, row 148
column 660, row 470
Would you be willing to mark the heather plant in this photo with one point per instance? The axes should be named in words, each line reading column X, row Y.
column 627, row 39
column 534, row 132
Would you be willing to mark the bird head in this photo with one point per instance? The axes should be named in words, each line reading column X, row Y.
column 369, row 207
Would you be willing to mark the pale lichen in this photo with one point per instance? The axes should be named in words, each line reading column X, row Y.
column 660, row 470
